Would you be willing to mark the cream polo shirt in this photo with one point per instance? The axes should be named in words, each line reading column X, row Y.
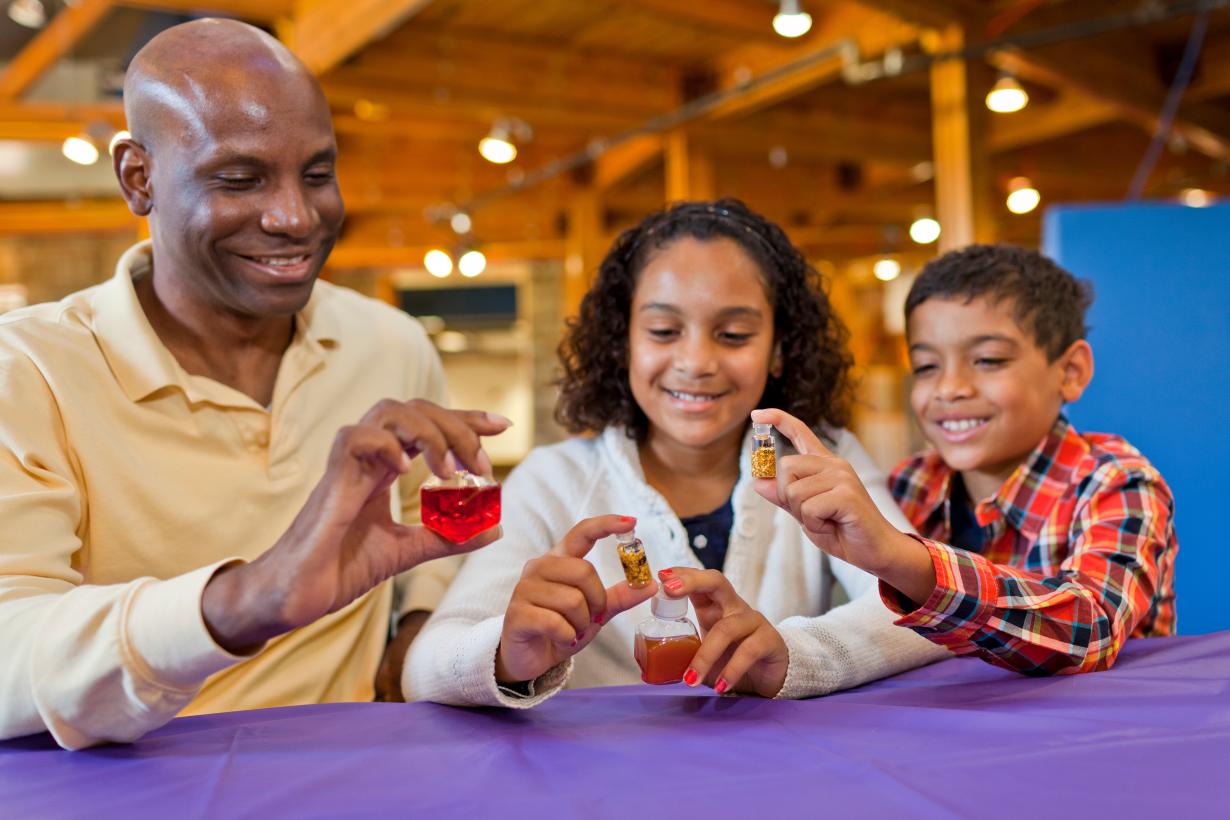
column 125, row 482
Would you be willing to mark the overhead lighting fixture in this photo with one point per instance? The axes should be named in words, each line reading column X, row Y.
column 438, row 263
column 1023, row 197
column 461, row 223
column 1196, row 198
column 500, row 144
column 790, row 20
column 886, row 269
column 925, row 230
column 28, row 13
column 472, row 263
column 1006, row 95
column 80, row 150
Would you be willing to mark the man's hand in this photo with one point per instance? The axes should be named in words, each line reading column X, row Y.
column 824, row 493
column 559, row 605
column 740, row 651
column 344, row 541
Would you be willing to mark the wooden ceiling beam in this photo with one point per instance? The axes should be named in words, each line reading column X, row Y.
column 54, row 122
column 62, row 217
column 736, row 16
column 253, row 11
column 325, row 33
column 60, row 36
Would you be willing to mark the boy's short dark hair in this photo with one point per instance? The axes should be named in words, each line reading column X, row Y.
column 1047, row 301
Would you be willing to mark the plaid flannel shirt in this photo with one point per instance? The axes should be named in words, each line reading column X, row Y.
column 1079, row 549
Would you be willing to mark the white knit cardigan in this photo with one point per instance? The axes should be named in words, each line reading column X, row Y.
column 770, row 563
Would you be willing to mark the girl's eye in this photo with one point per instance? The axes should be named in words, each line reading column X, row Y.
column 736, row 338
column 662, row 332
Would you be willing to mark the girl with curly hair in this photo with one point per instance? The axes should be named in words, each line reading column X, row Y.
column 699, row 315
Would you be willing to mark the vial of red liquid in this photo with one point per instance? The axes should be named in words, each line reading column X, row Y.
column 667, row 642
column 460, row 507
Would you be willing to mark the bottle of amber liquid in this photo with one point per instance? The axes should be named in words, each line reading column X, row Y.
column 667, row 642
column 764, row 457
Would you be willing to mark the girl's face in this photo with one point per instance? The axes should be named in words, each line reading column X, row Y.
column 700, row 344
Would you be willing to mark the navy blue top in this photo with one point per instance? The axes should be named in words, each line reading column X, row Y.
column 966, row 532
column 709, row 535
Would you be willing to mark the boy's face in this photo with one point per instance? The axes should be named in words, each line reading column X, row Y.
column 984, row 393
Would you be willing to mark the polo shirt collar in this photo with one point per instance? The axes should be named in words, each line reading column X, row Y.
column 143, row 365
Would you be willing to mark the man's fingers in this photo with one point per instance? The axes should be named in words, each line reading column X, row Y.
column 681, row 581
column 424, row 545
column 581, row 538
column 436, row 431
column 805, row 441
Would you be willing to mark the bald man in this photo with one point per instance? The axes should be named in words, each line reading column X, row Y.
column 206, row 460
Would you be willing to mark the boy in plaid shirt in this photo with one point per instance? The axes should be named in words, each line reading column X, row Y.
column 1042, row 549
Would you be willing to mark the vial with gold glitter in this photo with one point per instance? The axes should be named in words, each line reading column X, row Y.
column 632, row 556
column 764, row 458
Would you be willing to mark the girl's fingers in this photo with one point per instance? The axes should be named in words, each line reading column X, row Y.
column 701, row 583
column 724, row 636
column 764, row 643
column 804, row 439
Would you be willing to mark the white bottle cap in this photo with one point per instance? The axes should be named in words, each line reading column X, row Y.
column 669, row 608
column 761, row 429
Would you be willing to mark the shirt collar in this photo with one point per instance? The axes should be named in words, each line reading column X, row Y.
column 1031, row 492
column 141, row 362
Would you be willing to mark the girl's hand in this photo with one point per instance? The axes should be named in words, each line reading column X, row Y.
column 740, row 650
column 824, row 493
column 560, row 605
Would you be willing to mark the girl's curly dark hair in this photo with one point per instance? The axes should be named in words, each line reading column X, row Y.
column 815, row 383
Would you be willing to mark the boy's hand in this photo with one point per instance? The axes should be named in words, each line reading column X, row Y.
column 559, row 605
column 740, row 651
column 826, row 496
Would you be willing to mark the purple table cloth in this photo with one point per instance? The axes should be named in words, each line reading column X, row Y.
column 1150, row 738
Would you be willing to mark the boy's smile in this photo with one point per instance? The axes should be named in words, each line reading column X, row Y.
column 984, row 393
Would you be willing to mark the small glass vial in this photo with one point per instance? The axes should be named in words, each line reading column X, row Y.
column 460, row 507
column 764, row 458
column 666, row 643
column 632, row 556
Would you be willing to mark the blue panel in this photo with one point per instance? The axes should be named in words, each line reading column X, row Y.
column 1161, row 342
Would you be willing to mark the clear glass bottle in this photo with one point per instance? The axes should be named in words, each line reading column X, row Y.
column 632, row 556
column 460, row 507
column 764, row 457
column 666, row 643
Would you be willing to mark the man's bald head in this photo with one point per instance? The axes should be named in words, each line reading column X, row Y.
column 189, row 71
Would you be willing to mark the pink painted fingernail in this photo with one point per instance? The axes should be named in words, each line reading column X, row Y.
column 627, row 519
column 574, row 643
column 674, row 585
column 690, row 677
column 721, row 686
column 662, row 573
column 598, row 618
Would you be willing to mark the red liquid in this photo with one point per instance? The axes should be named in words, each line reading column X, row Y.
column 460, row 513
column 664, row 660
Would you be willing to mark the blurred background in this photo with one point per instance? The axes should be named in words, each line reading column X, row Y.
column 492, row 149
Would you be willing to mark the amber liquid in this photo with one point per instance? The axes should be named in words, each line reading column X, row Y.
column 460, row 513
column 664, row 660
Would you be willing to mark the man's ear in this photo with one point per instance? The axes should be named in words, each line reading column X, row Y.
column 1076, row 364
column 133, row 169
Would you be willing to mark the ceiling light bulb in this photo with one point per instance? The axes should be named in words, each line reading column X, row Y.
column 28, row 13
column 791, row 21
column 80, row 150
column 1023, row 197
column 1006, row 96
column 497, row 147
column 886, row 269
column 924, row 231
column 460, row 222
column 438, row 263
column 1196, row 198
column 472, row 263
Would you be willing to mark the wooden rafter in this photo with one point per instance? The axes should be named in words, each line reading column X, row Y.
column 325, row 33
column 60, row 36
